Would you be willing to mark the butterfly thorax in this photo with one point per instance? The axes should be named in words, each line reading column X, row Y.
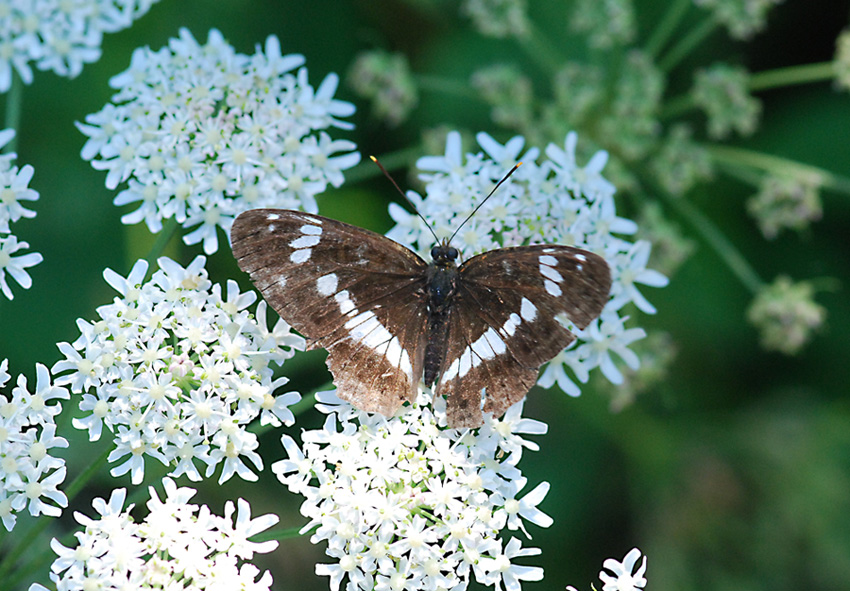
column 441, row 279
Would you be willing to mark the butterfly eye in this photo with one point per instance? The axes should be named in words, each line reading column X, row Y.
column 451, row 253
column 435, row 252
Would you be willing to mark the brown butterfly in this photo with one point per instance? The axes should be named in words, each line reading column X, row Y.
column 388, row 319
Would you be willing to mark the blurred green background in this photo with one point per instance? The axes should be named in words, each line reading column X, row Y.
column 733, row 472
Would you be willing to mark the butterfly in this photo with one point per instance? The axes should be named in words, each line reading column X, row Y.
column 480, row 329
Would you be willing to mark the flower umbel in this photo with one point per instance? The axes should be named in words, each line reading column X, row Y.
column 177, row 545
column 59, row 36
column 553, row 201
column 786, row 314
column 14, row 188
column 407, row 503
column 201, row 133
column 29, row 476
column 176, row 370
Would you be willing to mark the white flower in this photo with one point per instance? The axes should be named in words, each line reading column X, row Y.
column 29, row 475
column 176, row 370
column 552, row 201
column 625, row 577
column 407, row 503
column 200, row 133
column 59, row 36
column 177, row 545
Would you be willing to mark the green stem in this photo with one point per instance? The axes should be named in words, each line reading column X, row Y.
column 392, row 161
column 442, row 85
column 38, row 528
column 687, row 44
column 283, row 534
column 802, row 74
column 740, row 157
column 718, row 241
column 677, row 106
column 14, row 100
column 540, row 49
column 661, row 35
column 162, row 239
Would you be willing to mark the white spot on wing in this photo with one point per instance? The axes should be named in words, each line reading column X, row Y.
column 451, row 372
column 305, row 241
column 311, row 230
column 552, row 288
column 344, row 301
column 365, row 328
column 326, row 284
column 581, row 257
column 281, row 281
column 550, row 273
column 509, row 327
column 548, row 260
column 300, row 256
column 272, row 217
column 496, row 343
column 270, row 228
column 527, row 310
column 482, row 348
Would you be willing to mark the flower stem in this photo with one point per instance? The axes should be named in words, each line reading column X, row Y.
column 446, row 86
column 718, row 241
column 14, row 99
column 802, row 74
column 676, row 10
column 687, row 44
column 10, row 560
column 739, row 157
column 540, row 49
column 162, row 239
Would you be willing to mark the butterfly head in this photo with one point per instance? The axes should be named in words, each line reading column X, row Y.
column 444, row 254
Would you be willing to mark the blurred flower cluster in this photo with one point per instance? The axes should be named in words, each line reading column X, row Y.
column 663, row 140
column 200, row 133
column 175, row 369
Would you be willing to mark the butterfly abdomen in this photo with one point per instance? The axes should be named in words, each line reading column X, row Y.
column 441, row 281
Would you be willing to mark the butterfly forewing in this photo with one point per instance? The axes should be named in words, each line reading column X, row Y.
column 504, row 324
column 354, row 292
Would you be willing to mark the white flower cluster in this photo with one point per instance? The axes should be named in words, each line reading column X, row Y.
column 554, row 201
column 625, row 577
column 405, row 503
column 14, row 188
column 59, row 35
column 29, row 476
column 201, row 133
column 176, row 370
column 177, row 546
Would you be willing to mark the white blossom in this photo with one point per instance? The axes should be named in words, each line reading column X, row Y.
column 200, row 133
column 29, row 475
column 177, row 545
column 553, row 201
column 407, row 503
column 175, row 370
column 59, row 35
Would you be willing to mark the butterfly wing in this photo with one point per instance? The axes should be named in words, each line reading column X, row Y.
column 503, row 325
column 353, row 292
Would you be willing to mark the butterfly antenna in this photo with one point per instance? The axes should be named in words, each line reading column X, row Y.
column 406, row 198
column 483, row 201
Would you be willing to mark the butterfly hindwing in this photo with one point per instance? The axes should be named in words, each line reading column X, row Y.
column 504, row 323
column 353, row 292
